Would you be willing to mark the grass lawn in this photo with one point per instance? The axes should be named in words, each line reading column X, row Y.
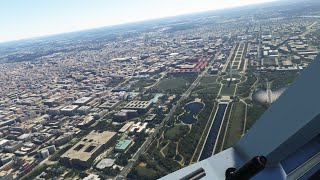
column 254, row 113
column 141, row 83
column 209, row 90
column 166, row 149
column 207, row 85
column 176, row 132
column 209, row 79
column 172, row 84
column 243, row 78
column 235, row 127
column 228, row 91
column 226, row 82
column 170, row 150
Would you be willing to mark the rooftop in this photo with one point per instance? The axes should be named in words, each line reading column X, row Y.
column 122, row 145
column 83, row 100
column 88, row 145
column 138, row 105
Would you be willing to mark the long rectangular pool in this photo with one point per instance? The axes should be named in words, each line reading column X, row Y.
column 213, row 133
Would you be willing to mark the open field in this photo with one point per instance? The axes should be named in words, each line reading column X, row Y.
column 254, row 113
column 235, row 126
column 176, row 132
column 174, row 83
column 141, row 83
column 209, row 90
column 228, row 91
column 208, row 79
column 208, row 85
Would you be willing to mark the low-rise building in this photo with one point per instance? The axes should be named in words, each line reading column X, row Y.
column 120, row 116
column 123, row 145
column 126, row 127
column 85, row 151
column 82, row 101
column 105, row 163
column 83, row 110
column 138, row 128
column 150, row 117
column 140, row 106
column 69, row 110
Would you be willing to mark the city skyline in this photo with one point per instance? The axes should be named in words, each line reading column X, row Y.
column 31, row 19
column 143, row 100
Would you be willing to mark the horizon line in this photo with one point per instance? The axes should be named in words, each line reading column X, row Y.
column 126, row 23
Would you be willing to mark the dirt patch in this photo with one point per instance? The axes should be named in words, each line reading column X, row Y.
column 142, row 164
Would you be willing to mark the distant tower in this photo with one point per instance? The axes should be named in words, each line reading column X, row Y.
column 230, row 72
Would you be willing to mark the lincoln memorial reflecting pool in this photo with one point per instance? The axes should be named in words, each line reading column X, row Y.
column 192, row 109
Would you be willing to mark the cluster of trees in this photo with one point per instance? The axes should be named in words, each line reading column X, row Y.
column 141, row 83
column 115, row 81
column 189, row 143
column 152, row 165
column 254, row 113
column 244, row 88
column 171, row 150
column 175, row 90
column 110, row 172
column 279, row 79
column 166, row 163
column 177, row 132
column 122, row 160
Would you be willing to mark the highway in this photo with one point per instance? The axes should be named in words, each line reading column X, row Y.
column 125, row 171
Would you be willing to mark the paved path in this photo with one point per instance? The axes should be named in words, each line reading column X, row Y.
column 269, row 92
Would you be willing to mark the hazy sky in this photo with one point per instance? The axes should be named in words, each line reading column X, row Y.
column 30, row 18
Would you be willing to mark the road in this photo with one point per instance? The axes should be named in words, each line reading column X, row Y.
column 229, row 58
column 259, row 46
column 269, row 92
column 308, row 29
column 125, row 171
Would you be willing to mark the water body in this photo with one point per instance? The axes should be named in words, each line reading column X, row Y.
column 192, row 110
column 261, row 96
column 213, row 134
